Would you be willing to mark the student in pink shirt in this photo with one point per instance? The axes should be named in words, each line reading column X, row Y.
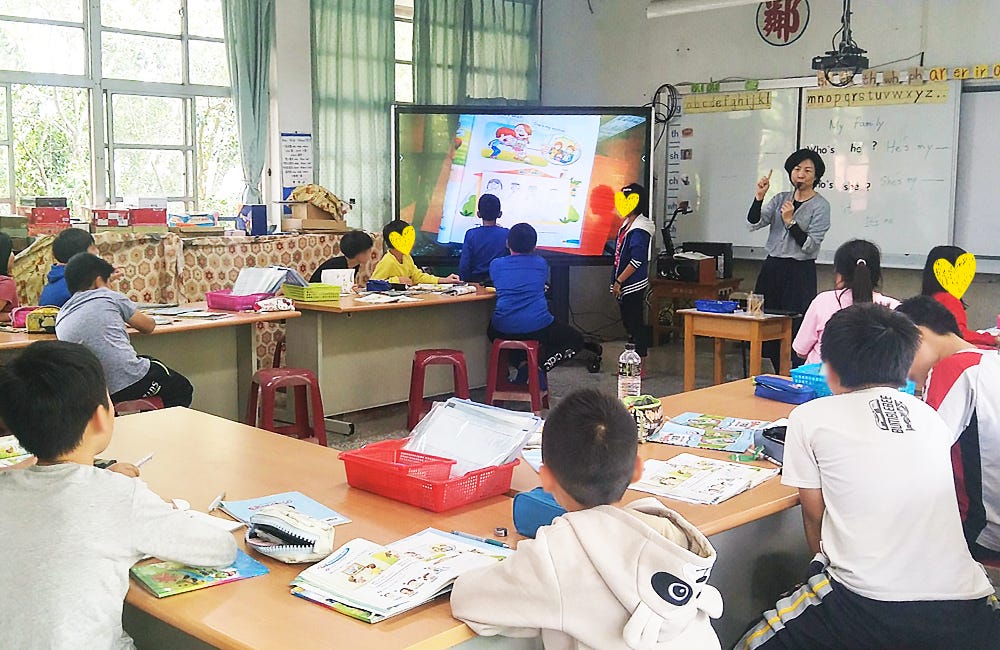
column 857, row 268
column 8, row 288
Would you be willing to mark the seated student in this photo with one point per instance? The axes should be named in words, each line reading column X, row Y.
column 599, row 576
column 878, row 504
column 396, row 266
column 8, row 288
column 484, row 243
column 521, row 312
column 96, row 317
column 857, row 271
column 355, row 249
column 78, row 528
column 67, row 244
column 960, row 381
column 931, row 287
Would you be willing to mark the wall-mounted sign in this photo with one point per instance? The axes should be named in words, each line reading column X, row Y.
column 782, row 22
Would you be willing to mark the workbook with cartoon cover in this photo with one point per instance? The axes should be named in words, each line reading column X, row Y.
column 164, row 579
column 697, row 479
column 11, row 451
column 372, row 582
column 708, row 432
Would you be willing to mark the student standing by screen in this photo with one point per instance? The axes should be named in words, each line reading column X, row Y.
column 631, row 270
column 797, row 222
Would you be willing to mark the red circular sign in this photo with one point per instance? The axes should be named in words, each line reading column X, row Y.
column 782, row 22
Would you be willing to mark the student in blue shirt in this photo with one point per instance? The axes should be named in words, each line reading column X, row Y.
column 67, row 244
column 521, row 312
column 484, row 243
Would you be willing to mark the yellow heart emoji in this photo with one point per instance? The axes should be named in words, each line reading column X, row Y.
column 403, row 242
column 625, row 203
column 956, row 278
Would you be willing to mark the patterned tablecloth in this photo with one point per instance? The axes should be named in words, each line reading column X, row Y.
column 157, row 268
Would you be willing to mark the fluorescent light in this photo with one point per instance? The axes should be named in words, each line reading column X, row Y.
column 664, row 8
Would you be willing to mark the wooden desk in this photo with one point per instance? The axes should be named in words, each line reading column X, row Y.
column 675, row 291
column 217, row 356
column 757, row 535
column 737, row 327
column 363, row 353
column 199, row 455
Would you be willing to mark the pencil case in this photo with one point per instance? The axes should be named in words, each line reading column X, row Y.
column 780, row 389
column 535, row 509
column 281, row 532
column 377, row 285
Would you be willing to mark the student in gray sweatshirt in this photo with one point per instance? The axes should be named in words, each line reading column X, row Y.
column 71, row 530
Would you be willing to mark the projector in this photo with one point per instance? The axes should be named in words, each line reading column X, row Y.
column 849, row 59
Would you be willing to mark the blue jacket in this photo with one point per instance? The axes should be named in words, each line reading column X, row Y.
column 55, row 293
column 634, row 249
column 482, row 245
column 520, row 283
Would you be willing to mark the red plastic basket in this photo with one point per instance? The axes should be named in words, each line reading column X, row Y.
column 421, row 480
column 225, row 300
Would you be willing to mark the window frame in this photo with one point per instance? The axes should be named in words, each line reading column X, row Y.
column 101, row 91
column 399, row 17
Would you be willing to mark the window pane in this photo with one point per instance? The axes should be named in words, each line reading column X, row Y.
column 52, row 143
column 404, row 82
column 163, row 16
column 209, row 64
column 404, row 9
column 205, row 18
column 404, row 41
column 142, row 58
column 4, row 180
column 68, row 10
column 147, row 120
column 148, row 172
column 27, row 47
column 5, row 208
column 3, row 113
column 220, row 174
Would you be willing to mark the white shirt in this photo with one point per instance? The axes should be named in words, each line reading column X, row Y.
column 70, row 534
column 891, row 528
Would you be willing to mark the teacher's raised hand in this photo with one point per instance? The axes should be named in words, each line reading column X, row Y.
column 763, row 185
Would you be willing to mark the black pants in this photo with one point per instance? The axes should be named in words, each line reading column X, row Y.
column 824, row 614
column 788, row 285
column 169, row 385
column 559, row 342
column 633, row 310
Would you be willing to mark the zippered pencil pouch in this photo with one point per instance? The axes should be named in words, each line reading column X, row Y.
column 285, row 534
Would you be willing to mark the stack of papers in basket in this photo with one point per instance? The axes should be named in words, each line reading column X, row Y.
column 268, row 279
column 474, row 435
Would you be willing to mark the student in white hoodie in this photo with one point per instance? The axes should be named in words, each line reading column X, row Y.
column 599, row 576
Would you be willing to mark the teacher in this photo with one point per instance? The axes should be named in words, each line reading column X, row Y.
column 797, row 222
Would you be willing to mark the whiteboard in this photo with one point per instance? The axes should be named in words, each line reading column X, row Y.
column 715, row 158
column 890, row 169
column 976, row 207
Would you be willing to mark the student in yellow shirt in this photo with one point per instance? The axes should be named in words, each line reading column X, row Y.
column 397, row 266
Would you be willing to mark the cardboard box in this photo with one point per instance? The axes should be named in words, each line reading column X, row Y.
column 7, row 222
column 36, row 229
column 198, row 231
column 147, row 229
column 198, row 219
column 49, row 216
column 323, row 225
column 110, row 217
column 148, row 216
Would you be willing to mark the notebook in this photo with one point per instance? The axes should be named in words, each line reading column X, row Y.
column 697, row 479
column 708, row 432
column 242, row 510
column 164, row 579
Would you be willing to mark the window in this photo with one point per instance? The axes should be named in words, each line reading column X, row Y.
column 404, row 51
column 136, row 89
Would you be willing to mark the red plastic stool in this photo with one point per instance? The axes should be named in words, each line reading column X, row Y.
column 266, row 383
column 434, row 357
column 499, row 388
column 131, row 406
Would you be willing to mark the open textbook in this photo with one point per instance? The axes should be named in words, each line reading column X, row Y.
column 11, row 451
column 697, row 479
column 372, row 582
column 708, row 432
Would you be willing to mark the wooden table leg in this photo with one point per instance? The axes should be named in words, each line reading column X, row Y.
column 689, row 351
column 755, row 351
column 719, row 358
column 655, row 317
column 786, row 349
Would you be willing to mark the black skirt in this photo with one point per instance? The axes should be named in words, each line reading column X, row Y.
column 787, row 283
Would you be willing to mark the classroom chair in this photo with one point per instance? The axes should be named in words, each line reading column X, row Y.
column 500, row 389
column 264, row 387
column 418, row 406
column 131, row 406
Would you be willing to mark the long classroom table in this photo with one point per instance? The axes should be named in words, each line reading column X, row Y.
column 758, row 535
column 362, row 353
column 217, row 356
column 197, row 456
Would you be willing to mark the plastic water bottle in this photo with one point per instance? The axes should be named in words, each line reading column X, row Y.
column 629, row 372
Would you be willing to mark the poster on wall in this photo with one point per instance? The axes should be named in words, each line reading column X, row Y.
column 296, row 160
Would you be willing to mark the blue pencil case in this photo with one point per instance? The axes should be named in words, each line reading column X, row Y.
column 535, row 509
column 377, row 285
column 716, row 306
column 780, row 389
